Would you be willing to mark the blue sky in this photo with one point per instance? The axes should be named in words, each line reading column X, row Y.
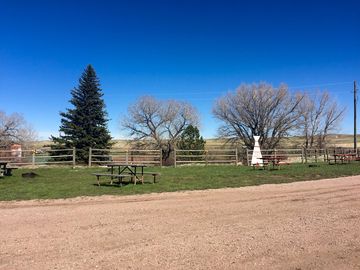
column 188, row 50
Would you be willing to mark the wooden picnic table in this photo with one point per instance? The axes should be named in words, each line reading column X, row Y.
column 3, row 165
column 131, row 169
column 342, row 158
column 275, row 161
column 5, row 169
column 126, row 170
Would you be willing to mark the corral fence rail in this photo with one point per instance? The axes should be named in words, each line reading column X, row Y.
column 48, row 156
column 40, row 156
column 302, row 155
column 127, row 156
column 208, row 156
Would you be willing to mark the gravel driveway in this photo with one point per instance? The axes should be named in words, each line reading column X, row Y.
column 303, row 225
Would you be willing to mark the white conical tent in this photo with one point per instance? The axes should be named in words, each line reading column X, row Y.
column 256, row 157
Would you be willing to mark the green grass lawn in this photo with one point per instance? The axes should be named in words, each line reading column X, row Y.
column 66, row 182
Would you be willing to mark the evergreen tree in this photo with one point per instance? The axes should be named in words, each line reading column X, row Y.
column 191, row 140
column 85, row 125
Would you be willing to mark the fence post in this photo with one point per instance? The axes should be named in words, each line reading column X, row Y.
column 206, row 157
column 160, row 158
column 127, row 156
column 302, row 155
column 33, row 157
column 175, row 158
column 90, row 153
column 247, row 157
column 74, row 157
column 236, row 156
column 315, row 155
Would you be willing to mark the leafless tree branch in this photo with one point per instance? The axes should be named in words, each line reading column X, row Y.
column 14, row 129
column 160, row 123
column 319, row 116
column 257, row 109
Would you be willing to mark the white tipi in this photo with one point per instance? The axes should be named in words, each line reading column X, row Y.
column 256, row 157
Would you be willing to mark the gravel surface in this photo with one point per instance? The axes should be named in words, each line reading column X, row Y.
column 303, row 225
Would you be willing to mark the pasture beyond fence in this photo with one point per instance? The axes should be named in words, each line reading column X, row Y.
column 48, row 156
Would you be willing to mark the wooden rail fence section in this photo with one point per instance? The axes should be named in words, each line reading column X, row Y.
column 47, row 156
column 128, row 156
column 42, row 156
column 209, row 156
column 154, row 157
column 302, row 155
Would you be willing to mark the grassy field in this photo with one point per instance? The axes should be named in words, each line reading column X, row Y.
column 66, row 182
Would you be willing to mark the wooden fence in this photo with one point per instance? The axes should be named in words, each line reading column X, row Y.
column 302, row 155
column 209, row 156
column 154, row 157
column 42, row 156
column 47, row 156
column 128, row 156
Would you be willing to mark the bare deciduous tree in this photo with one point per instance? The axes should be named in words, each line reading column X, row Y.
column 319, row 116
column 159, row 123
column 257, row 109
column 14, row 129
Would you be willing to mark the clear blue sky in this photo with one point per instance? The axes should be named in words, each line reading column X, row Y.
column 188, row 50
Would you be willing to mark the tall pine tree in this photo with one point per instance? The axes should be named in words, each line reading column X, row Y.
column 85, row 125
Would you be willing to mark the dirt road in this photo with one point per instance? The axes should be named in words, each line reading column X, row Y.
column 304, row 225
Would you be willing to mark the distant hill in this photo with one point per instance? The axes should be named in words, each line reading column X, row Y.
column 335, row 140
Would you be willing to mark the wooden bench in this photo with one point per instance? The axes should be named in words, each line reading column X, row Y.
column 8, row 170
column 118, row 176
column 283, row 163
column 261, row 166
column 154, row 174
column 350, row 158
column 280, row 163
column 333, row 160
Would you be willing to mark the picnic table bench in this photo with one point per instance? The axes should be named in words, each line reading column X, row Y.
column 275, row 161
column 118, row 176
column 5, row 169
column 154, row 174
column 8, row 171
column 342, row 158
